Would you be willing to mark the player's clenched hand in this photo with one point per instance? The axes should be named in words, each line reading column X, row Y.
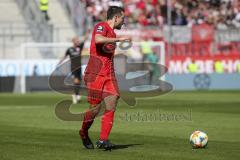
column 124, row 38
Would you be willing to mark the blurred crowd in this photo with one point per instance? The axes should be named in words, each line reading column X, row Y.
column 220, row 13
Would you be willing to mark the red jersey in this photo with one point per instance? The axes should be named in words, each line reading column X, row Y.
column 101, row 55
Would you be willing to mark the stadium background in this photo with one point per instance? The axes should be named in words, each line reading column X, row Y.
column 204, row 35
column 201, row 49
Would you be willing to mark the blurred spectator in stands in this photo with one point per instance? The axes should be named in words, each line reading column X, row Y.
column 43, row 6
column 152, row 65
column 146, row 47
column 220, row 13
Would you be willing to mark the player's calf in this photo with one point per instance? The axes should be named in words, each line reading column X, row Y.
column 87, row 143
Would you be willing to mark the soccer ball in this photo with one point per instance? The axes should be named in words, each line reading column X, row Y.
column 198, row 139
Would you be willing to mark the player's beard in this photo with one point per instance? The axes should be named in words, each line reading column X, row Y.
column 119, row 26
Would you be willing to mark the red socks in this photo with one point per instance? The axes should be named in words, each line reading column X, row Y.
column 87, row 121
column 107, row 123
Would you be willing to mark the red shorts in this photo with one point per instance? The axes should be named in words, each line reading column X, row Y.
column 100, row 87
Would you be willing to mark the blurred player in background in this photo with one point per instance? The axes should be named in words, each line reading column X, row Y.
column 74, row 54
column 100, row 77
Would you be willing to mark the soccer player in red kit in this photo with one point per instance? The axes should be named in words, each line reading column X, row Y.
column 100, row 77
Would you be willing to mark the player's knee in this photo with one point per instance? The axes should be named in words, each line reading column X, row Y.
column 111, row 107
column 76, row 81
column 111, row 102
column 95, row 109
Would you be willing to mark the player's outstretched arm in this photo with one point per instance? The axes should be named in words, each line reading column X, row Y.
column 101, row 39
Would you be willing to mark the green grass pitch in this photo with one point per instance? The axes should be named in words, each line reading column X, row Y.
column 157, row 128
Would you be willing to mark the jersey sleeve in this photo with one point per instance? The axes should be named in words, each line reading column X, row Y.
column 101, row 29
column 67, row 52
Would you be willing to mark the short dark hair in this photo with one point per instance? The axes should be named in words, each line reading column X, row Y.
column 114, row 10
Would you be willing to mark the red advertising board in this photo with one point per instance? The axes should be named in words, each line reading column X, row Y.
column 202, row 33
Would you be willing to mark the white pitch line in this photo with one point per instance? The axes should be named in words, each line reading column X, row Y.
column 23, row 107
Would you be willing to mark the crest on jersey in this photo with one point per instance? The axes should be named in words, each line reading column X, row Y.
column 99, row 28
